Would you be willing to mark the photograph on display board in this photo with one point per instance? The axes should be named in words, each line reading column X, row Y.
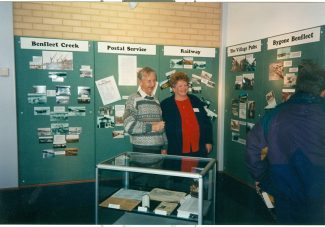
column 57, row 60
column 39, row 89
column 249, row 126
column 248, row 81
column 106, row 121
column 48, row 153
column 75, row 130
column 74, row 111
column 206, row 78
column 243, row 63
column 41, row 110
column 63, row 90
column 60, row 128
column 235, row 125
column 234, row 136
column 176, row 63
column 290, row 80
column 45, row 139
column 62, row 99
column 44, row 132
column 106, row 118
column 106, row 110
column 57, row 76
column 242, row 110
column 34, row 98
column 72, row 138
column 37, row 63
column 251, row 109
column 283, row 53
column 196, row 89
column 239, row 82
column 86, row 71
column 250, row 64
column 83, row 94
column 196, row 79
column 188, row 62
column 119, row 112
column 118, row 134
column 235, row 107
column 71, row 151
column 164, row 84
column 199, row 65
column 59, row 141
column 276, row 71
column 270, row 99
column 58, row 116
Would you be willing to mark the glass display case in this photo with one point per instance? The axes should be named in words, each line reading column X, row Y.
column 143, row 188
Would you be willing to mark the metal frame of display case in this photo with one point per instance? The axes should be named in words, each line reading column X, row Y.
column 210, row 167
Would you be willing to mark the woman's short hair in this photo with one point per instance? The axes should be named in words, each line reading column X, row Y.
column 175, row 77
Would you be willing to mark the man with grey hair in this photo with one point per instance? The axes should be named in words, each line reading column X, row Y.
column 143, row 116
column 294, row 168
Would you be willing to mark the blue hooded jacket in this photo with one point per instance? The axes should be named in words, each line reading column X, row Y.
column 294, row 133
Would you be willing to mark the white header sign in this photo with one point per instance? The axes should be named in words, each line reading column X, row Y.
column 245, row 48
column 189, row 51
column 124, row 48
column 295, row 38
column 53, row 44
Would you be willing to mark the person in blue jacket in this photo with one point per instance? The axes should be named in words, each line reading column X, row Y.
column 294, row 168
column 187, row 126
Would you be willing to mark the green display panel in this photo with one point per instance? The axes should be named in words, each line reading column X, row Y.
column 281, row 64
column 118, row 61
column 55, row 99
column 274, row 76
column 243, row 79
column 201, row 65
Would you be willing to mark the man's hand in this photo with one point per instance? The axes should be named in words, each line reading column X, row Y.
column 208, row 147
column 158, row 126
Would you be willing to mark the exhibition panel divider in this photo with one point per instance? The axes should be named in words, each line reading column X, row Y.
column 55, row 96
column 270, row 80
column 243, row 79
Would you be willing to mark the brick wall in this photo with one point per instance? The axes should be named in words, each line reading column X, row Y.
column 164, row 23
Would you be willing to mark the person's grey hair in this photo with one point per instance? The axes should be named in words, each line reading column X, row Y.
column 311, row 78
column 146, row 71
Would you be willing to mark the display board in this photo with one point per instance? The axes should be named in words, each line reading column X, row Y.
column 116, row 65
column 243, row 104
column 201, row 65
column 54, row 87
column 71, row 98
column 260, row 78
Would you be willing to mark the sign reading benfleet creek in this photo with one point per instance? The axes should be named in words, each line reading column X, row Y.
column 53, row 44
column 189, row 51
column 125, row 48
column 245, row 48
column 295, row 38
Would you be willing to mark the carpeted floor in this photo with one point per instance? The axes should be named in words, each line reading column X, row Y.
column 236, row 203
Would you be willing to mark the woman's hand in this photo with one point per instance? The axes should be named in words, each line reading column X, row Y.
column 208, row 147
